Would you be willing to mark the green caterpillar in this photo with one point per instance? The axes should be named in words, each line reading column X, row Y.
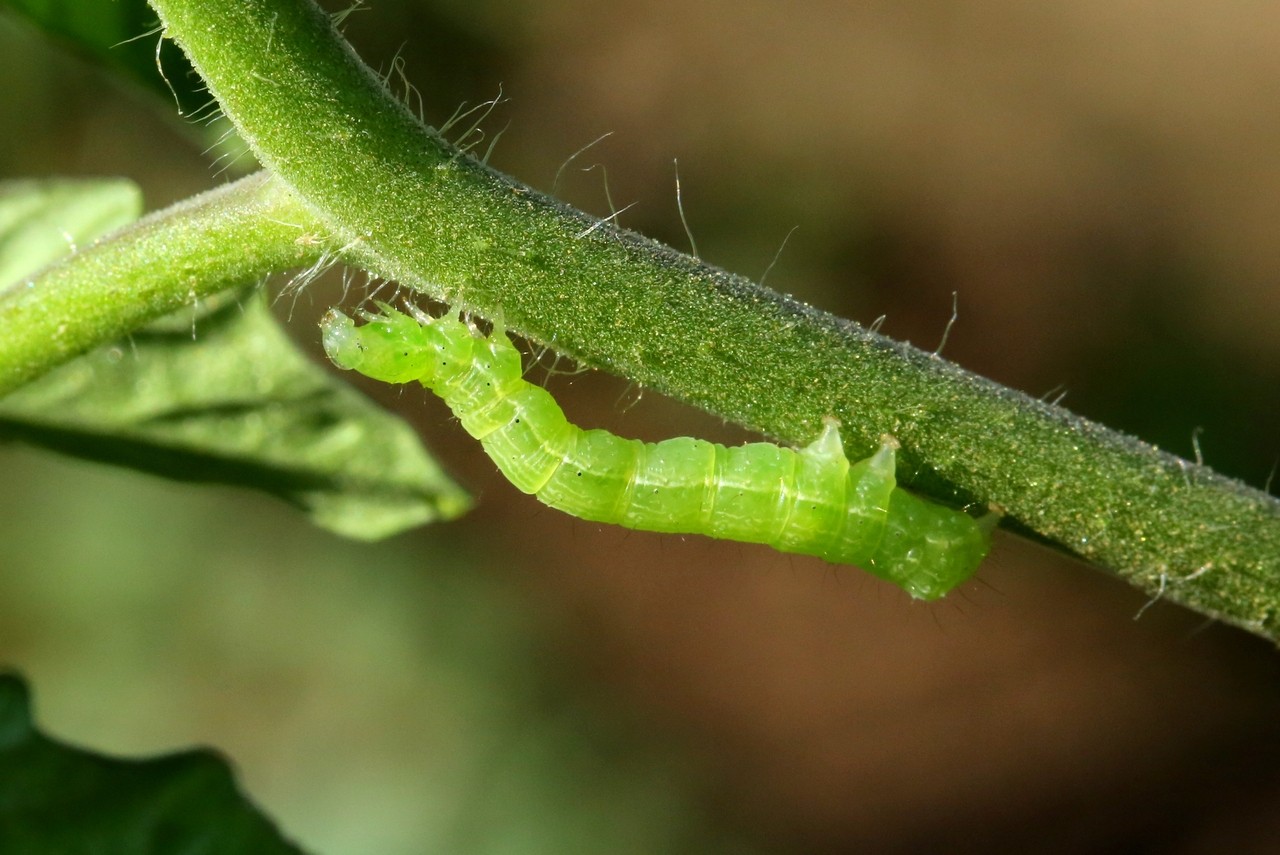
column 811, row 501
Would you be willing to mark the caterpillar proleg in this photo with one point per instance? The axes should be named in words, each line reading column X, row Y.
column 811, row 500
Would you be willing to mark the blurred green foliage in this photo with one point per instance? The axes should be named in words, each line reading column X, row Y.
column 373, row 699
column 1098, row 194
column 57, row 798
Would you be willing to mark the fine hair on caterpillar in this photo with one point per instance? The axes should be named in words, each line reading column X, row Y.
column 810, row 501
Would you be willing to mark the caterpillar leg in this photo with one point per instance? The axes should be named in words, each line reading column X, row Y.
column 923, row 547
column 928, row 548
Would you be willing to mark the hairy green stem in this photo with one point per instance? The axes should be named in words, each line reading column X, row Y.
column 217, row 240
column 409, row 206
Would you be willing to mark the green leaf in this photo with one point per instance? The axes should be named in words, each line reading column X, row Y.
column 224, row 397
column 56, row 798
column 42, row 221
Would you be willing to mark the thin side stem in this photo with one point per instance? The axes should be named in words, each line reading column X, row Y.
column 172, row 258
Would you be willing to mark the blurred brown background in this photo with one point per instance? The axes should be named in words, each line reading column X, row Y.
column 1097, row 182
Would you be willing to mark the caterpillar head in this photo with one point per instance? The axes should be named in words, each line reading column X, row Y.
column 391, row 347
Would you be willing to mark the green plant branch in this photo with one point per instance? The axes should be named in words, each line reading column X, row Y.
column 218, row 240
column 409, row 206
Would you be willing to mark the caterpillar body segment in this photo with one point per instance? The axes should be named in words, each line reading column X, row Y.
column 810, row 501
